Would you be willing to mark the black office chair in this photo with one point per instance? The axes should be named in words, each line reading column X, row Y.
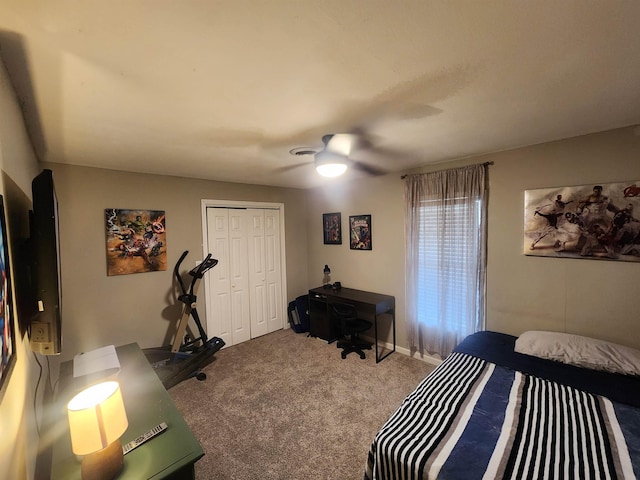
column 350, row 327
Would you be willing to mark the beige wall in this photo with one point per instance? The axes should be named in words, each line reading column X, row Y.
column 380, row 269
column 587, row 297
column 100, row 310
column 17, row 418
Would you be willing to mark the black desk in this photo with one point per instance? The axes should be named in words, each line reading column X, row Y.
column 368, row 304
column 170, row 455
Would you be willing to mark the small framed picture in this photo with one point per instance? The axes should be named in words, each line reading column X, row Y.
column 360, row 232
column 332, row 228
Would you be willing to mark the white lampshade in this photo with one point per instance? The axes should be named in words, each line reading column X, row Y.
column 97, row 418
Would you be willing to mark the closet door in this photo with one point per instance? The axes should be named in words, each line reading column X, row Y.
column 240, row 294
column 217, row 279
column 273, row 270
column 257, row 274
column 265, row 271
column 227, row 284
column 244, row 291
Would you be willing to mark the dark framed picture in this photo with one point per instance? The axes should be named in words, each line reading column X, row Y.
column 360, row 232
column 7, row 335
column 332, row 228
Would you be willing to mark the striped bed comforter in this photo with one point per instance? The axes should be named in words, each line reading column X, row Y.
column 473, row 419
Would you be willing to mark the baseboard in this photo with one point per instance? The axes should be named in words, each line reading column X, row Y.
column 430, row 359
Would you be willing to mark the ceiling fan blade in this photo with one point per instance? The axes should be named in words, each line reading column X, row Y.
column 394, row 153
column 326, row 139
column 370, row 169
column 362, row 139
column 340, row 143
column 288, row 168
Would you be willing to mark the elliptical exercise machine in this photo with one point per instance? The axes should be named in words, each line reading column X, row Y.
column 188, row 354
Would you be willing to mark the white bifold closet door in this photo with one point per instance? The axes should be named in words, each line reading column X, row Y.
column 244, row 291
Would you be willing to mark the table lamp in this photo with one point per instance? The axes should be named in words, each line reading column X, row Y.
column 97, row 420
column 326, row 280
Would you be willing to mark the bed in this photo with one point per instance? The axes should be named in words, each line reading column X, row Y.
column 489, row 412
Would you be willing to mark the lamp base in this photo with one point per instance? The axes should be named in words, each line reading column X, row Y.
column 104, row 464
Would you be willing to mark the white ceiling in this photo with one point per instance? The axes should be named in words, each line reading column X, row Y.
column 224, row 89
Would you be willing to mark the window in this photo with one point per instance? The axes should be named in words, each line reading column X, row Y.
column 445, row 257
column 442, row 299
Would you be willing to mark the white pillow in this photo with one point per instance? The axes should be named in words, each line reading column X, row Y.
column 580, row 351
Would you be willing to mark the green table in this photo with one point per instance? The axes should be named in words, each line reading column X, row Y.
column 171, row 454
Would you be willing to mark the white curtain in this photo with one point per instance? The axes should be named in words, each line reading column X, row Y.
column 445, row 222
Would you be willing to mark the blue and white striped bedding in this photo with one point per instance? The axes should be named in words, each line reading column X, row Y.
column 474, row 419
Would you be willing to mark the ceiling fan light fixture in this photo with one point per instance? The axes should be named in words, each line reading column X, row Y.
column 330, row 165
column 331, row 169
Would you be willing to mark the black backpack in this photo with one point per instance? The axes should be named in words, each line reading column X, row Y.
column 298, row 312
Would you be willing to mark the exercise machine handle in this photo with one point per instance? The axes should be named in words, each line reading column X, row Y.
column 207, row 264
column 176, row 271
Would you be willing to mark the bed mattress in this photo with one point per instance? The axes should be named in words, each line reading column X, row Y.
column 488, row 412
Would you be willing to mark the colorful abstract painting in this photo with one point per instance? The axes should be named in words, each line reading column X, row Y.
column 136, row 241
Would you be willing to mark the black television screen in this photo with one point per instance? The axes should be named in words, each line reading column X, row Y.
column 46, row 328
column 7, row 335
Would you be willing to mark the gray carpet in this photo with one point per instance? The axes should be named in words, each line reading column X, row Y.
column 286, row 406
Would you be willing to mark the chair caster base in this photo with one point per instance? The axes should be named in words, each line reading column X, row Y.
column 347, row 351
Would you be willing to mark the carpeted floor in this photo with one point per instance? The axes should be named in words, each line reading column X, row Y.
column 286, row 406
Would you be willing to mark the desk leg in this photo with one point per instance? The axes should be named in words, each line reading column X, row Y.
column 393, row 324
column 375, row 334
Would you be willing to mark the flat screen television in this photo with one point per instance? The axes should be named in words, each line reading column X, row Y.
column 45, row 331
column 7, row 335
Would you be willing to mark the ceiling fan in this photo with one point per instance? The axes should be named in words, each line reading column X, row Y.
column 333, row 159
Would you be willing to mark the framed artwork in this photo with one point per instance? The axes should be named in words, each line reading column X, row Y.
column 332, row 228
column 136, row 241
column 360, row 232
column 7, row 338
column 597, row 221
